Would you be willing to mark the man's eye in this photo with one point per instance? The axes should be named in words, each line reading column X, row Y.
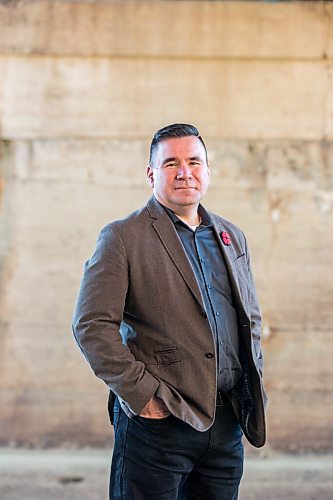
column 195, row 163
column 170, row 165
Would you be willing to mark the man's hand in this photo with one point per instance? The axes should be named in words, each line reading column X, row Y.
column 155, row 408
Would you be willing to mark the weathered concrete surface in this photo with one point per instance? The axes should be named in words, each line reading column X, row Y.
column 275, row 186
column 267, row 187
column 298, row 366
column 130, row 97
column 178, row 29
column 83, row 85
column 73, row 475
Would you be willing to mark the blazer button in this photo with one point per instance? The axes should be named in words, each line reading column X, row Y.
column 203, row 314
column 209, row 355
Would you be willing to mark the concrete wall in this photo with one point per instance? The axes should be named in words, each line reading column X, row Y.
column 82, row 88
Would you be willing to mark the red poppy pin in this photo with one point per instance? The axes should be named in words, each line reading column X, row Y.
column 226, row 238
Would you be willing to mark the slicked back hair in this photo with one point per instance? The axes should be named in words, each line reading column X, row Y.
column 172, row 131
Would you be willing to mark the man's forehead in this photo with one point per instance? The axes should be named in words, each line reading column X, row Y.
column 180, row 146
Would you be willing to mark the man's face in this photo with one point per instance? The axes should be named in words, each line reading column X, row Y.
column 179, row 174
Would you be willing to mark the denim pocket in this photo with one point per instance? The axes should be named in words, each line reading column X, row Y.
column 153, row 421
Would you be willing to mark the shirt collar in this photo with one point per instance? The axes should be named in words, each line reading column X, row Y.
column 206, row 220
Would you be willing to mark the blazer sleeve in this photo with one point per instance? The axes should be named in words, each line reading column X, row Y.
column 255, row 314
column 96, row 322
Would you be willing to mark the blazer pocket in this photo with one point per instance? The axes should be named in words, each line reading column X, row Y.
column 167, row 356
column 239, row 256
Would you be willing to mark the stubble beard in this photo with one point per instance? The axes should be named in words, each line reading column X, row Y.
column 192, row 198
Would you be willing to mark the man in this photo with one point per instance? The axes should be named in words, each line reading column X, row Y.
column 168, row 317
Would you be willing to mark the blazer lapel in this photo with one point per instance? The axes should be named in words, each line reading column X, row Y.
column 167, row 233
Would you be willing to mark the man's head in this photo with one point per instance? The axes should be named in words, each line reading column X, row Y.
column 172, row 131
column 178, row 169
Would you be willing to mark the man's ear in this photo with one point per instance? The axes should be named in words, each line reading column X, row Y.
column 150, row 176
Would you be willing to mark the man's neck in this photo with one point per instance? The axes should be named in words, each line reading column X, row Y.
column 188, row 214
column 191, row 218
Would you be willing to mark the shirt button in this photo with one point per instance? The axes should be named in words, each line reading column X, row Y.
column 221, row 371
column 202, row 259
column 203, row 314
column 209, row 355
column 221, row 343
column 217, row 313
column 209, row 286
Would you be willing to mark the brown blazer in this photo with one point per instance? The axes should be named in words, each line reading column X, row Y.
column 140, row 321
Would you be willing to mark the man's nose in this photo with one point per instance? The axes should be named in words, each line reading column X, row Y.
column 184, row 171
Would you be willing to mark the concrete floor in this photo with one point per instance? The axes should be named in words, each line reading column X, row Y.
column 83, row 475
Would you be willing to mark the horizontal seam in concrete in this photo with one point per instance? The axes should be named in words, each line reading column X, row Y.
column 124, row 138
column 89, row 183
column 184, row 57
column 299, row 329
column 279, row 138
column 274, row 329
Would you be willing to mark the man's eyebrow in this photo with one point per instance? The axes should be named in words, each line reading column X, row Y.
column 175, row 159
column 172, row 158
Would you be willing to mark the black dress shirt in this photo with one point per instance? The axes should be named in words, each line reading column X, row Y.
column 211, row 273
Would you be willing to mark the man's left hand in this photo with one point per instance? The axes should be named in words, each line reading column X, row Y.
column 155, row 408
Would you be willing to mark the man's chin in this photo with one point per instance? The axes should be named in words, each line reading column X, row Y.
column 188, row 200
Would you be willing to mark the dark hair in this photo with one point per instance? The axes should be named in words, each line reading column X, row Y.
column 171, row 131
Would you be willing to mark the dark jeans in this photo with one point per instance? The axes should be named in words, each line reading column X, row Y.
column 166, row 459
